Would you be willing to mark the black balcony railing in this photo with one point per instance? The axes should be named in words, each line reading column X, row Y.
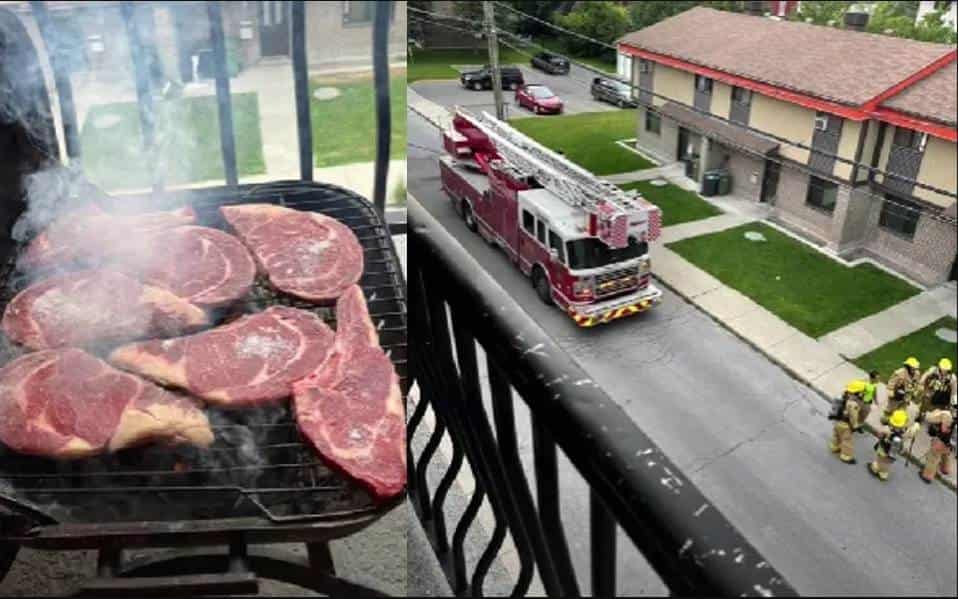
column 456, row 306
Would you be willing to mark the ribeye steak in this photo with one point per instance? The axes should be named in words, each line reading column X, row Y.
column 250, row 361
column 305, row 254
column 351, row 407
column 67, row 404
column 203, row 266
column 84, row 235
column 92, row 307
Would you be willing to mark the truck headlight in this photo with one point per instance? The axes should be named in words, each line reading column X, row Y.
column 583, row 287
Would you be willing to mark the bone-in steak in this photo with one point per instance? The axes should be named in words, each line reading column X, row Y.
column 248, row 362
column 67, row 404
column 84, row 235
column 94, row 307
column 203, row 266
column 351, row 408
column 305, row 254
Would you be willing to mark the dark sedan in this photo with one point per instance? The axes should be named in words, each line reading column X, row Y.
column 614, row 92
column 550, row 63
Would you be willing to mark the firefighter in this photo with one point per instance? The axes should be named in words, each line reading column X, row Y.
column 940, row 421
column 901, row 386
column 891, row 438
column 843, row 443
column 868, row 399
column 937, row 379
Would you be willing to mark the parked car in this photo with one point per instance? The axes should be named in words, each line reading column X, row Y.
column 615, row 92
column 482, row 79
column 539, row 99
column 550, row 63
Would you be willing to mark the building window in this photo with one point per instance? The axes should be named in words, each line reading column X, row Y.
column 528, row 222
column 899, row 216
column 653, row 122
column 908, row 138
column 741, row 95
column 645, row 66
column 555, row 243
column 357, row 13
column 541, row 232
column 822, row 194
column 703, row 84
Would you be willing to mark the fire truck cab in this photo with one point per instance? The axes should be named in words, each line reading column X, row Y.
column 589, row 258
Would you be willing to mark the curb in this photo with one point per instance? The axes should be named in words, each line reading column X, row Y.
column 788, row 370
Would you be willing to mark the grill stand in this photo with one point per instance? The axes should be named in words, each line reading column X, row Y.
column 195, row 572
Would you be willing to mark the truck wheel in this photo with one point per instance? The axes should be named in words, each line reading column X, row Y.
column 477, row 86
column 541, row 283
column 621, row 104
column 468, row 217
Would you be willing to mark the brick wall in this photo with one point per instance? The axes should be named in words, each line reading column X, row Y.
column 790, row 208
column 927, row 257
column 742, row 166
column 661, row 147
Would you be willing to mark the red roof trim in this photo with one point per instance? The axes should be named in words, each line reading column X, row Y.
column 848, row 112
column 928, row 70
column 900, row 119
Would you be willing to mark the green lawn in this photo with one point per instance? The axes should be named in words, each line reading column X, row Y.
column 188, row 138
column 800, row 285
column 678, row 205
column 588, row 139
column 344, row 128
column 435, row 64
column 923, row 344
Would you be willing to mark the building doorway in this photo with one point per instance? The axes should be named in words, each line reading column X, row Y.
column 274, row 28
column 770, row 182
column 954, row 270
column 688, row 152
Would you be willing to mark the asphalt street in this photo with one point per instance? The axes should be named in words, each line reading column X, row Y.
column 749, row 436
column 572, row 88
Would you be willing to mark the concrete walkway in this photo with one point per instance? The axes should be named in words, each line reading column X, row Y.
column 867, row 334
column 666, row 171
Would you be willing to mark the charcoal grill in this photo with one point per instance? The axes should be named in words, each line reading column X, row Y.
column 259, row 483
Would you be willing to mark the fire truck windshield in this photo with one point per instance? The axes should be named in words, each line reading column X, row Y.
column 593, row 253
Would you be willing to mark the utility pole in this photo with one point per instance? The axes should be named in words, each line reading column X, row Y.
column 490, row 27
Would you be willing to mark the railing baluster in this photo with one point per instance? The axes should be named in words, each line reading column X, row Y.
column 487, row 557
column 144, row 95
column 301, row 83
column 602, row 532
column 61, row 78
column 461, row 583
column 550, row 515
column 383, row 12
column 224, row 104
column 438, row 515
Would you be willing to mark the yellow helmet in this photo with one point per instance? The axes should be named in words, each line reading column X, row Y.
column 913, row 362
column 899, row 419
column 945, row 364
column 855, row 387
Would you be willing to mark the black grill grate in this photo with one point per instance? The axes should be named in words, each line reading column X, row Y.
column 258, row 464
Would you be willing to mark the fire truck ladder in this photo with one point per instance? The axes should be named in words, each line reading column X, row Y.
column 567, row 180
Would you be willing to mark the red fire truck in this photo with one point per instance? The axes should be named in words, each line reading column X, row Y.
column 583, row 241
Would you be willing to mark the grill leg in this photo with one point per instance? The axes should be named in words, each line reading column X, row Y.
column 320, row 558
column 8, row 555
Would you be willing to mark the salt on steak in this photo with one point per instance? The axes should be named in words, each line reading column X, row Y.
column 249, row 362
column 85, row 234
column 67, row 404
column 305, row 254
column 92, row 307
column 351, row 408
column 203, row 266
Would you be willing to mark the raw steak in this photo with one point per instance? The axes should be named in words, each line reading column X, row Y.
column 351, row 408
column 67, row 404
column 305, row 254
column 85, row 234
column 203, row 266
column 93, row 307
column 248, row 362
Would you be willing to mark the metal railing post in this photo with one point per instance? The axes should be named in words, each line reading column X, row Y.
column 383, row 11
column 224, row 106
column 301, row 82
column 143, row 93
column 61, row 78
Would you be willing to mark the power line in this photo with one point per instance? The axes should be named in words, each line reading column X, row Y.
column 554, row 26
column 804, row 169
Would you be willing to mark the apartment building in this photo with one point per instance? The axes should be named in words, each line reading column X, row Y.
column 736, row 91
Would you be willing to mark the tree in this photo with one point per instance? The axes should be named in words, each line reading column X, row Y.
column 822, row 13
column 520, row 24
column 652, row 11
column 892, row 19
column 604, row 21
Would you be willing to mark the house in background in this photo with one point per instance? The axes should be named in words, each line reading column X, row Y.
column 948, row 8
column 92, row 36
column 887, row 102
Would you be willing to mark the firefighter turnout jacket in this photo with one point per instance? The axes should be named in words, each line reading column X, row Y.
column 938, row 388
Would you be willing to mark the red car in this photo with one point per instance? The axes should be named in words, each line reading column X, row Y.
column 539, row 99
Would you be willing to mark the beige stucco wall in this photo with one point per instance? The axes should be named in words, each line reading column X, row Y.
column 675, row 84
column 851, row 131
column 785, row 120
column 938, row 168
column 721, row 99
column 871, row 138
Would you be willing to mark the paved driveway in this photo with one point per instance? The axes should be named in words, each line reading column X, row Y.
column 748, row 435
column 572, row 88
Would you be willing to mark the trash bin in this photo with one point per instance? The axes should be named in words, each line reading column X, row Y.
column 725, row 183
column 710, row 183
